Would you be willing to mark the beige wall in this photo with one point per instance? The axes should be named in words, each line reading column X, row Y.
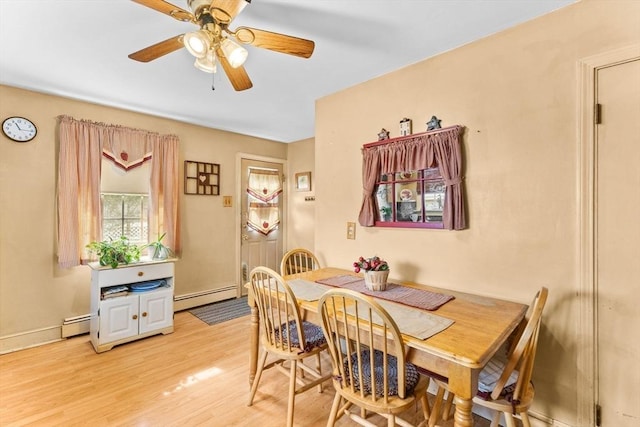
column 35, row 295
column 516, row 94
column 302, row 213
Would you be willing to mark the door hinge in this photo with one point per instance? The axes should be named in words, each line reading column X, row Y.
column 597, row 114
column 598, row 415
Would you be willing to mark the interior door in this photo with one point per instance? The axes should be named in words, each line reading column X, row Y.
column 617, row 235
column 261, row 240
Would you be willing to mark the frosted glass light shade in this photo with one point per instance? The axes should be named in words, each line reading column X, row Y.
column 197, row 43
column 208, row 63
column 235, row 54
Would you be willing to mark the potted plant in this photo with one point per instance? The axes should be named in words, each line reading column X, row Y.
column 376, row 272
column 114, row 252
column 158, row 250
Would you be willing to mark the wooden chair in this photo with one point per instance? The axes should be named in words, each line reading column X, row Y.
column 286, row 336
column 504, row 385
column 388, row 385
column 298, row 260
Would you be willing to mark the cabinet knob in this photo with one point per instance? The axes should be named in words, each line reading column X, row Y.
column 144, row 314
column 135, row 317
column 140, row 273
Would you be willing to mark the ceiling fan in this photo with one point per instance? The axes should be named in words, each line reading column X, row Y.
column 215, row 41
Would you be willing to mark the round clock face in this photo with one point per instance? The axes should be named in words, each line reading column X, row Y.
column 19, row 129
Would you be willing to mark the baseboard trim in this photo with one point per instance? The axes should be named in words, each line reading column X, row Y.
column 28, row 339
column 195, row 299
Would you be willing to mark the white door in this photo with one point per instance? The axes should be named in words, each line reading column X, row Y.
column 261, row 236
column 617, row 236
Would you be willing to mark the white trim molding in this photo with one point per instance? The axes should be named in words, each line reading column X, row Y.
column 587, row 378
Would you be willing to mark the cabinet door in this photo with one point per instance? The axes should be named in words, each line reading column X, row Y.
column 118, row 318
column 156, row 310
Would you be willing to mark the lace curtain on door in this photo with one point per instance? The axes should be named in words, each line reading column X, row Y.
column 263, row 188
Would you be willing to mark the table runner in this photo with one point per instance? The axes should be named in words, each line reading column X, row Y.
column 418, row 298
column 411, row 321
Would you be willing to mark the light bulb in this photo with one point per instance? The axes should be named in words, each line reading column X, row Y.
column 197, row 43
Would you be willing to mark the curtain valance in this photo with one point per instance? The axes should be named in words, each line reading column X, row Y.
column 439, row 148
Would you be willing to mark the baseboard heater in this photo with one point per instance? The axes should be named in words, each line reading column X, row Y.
column 77, row 325
column 195, row 299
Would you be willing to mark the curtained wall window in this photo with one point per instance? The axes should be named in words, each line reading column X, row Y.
column 416, row 154
column 82, row 146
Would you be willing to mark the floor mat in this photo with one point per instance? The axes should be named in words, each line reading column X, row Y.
column 222, row 311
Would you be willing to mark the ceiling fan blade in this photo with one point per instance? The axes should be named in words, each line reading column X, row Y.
column 157, row 50
column 225, row 10
column 238, row 76
column 168, row 9
column 275, row 41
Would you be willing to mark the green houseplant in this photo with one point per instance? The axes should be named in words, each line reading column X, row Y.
column 157, row 249
column 113, row 252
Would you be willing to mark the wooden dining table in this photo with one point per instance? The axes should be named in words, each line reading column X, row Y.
column 481, row 325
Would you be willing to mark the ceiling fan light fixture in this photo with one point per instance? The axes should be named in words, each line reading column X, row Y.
column 197, row 43
column 208, row 63
column 235, row 54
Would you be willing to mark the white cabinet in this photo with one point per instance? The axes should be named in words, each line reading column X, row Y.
column 136, row 312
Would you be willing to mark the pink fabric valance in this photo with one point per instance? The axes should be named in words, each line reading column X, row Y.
column 439, row 148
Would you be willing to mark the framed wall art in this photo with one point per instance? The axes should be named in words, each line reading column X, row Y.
column 303, row 181
column 201, row 178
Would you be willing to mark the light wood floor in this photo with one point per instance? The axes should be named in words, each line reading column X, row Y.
column 197, row 376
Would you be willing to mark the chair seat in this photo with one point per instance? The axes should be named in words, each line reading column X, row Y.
column 489, row 376
column 313, row 335
column 411, row 373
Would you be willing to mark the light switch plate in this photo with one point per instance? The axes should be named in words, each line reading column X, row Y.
column 351, row 230
column 226, row 201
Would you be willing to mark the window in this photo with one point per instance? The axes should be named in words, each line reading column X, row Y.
column 410, row 199
column 414, row 181
column 125, row 215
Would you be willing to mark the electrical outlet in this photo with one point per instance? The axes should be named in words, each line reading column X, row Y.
column 351, row 230
column 226, row 201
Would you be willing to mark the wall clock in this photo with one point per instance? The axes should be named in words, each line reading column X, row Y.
column 19, row 129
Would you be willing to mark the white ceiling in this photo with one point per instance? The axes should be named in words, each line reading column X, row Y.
column 78, row 49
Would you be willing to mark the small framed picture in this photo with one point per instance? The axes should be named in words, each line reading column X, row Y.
column 303, row 181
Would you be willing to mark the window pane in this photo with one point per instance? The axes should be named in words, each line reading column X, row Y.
column 434, row 200
column 132, row 206
column 125, row 215
column 111, row 206
column 134, row 230
column 383, row 199
column 111, row 229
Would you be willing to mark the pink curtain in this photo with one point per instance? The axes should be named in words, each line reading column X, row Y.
column 439, row 148
column 164, row 191
column 79, row 166
column 82, row 145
